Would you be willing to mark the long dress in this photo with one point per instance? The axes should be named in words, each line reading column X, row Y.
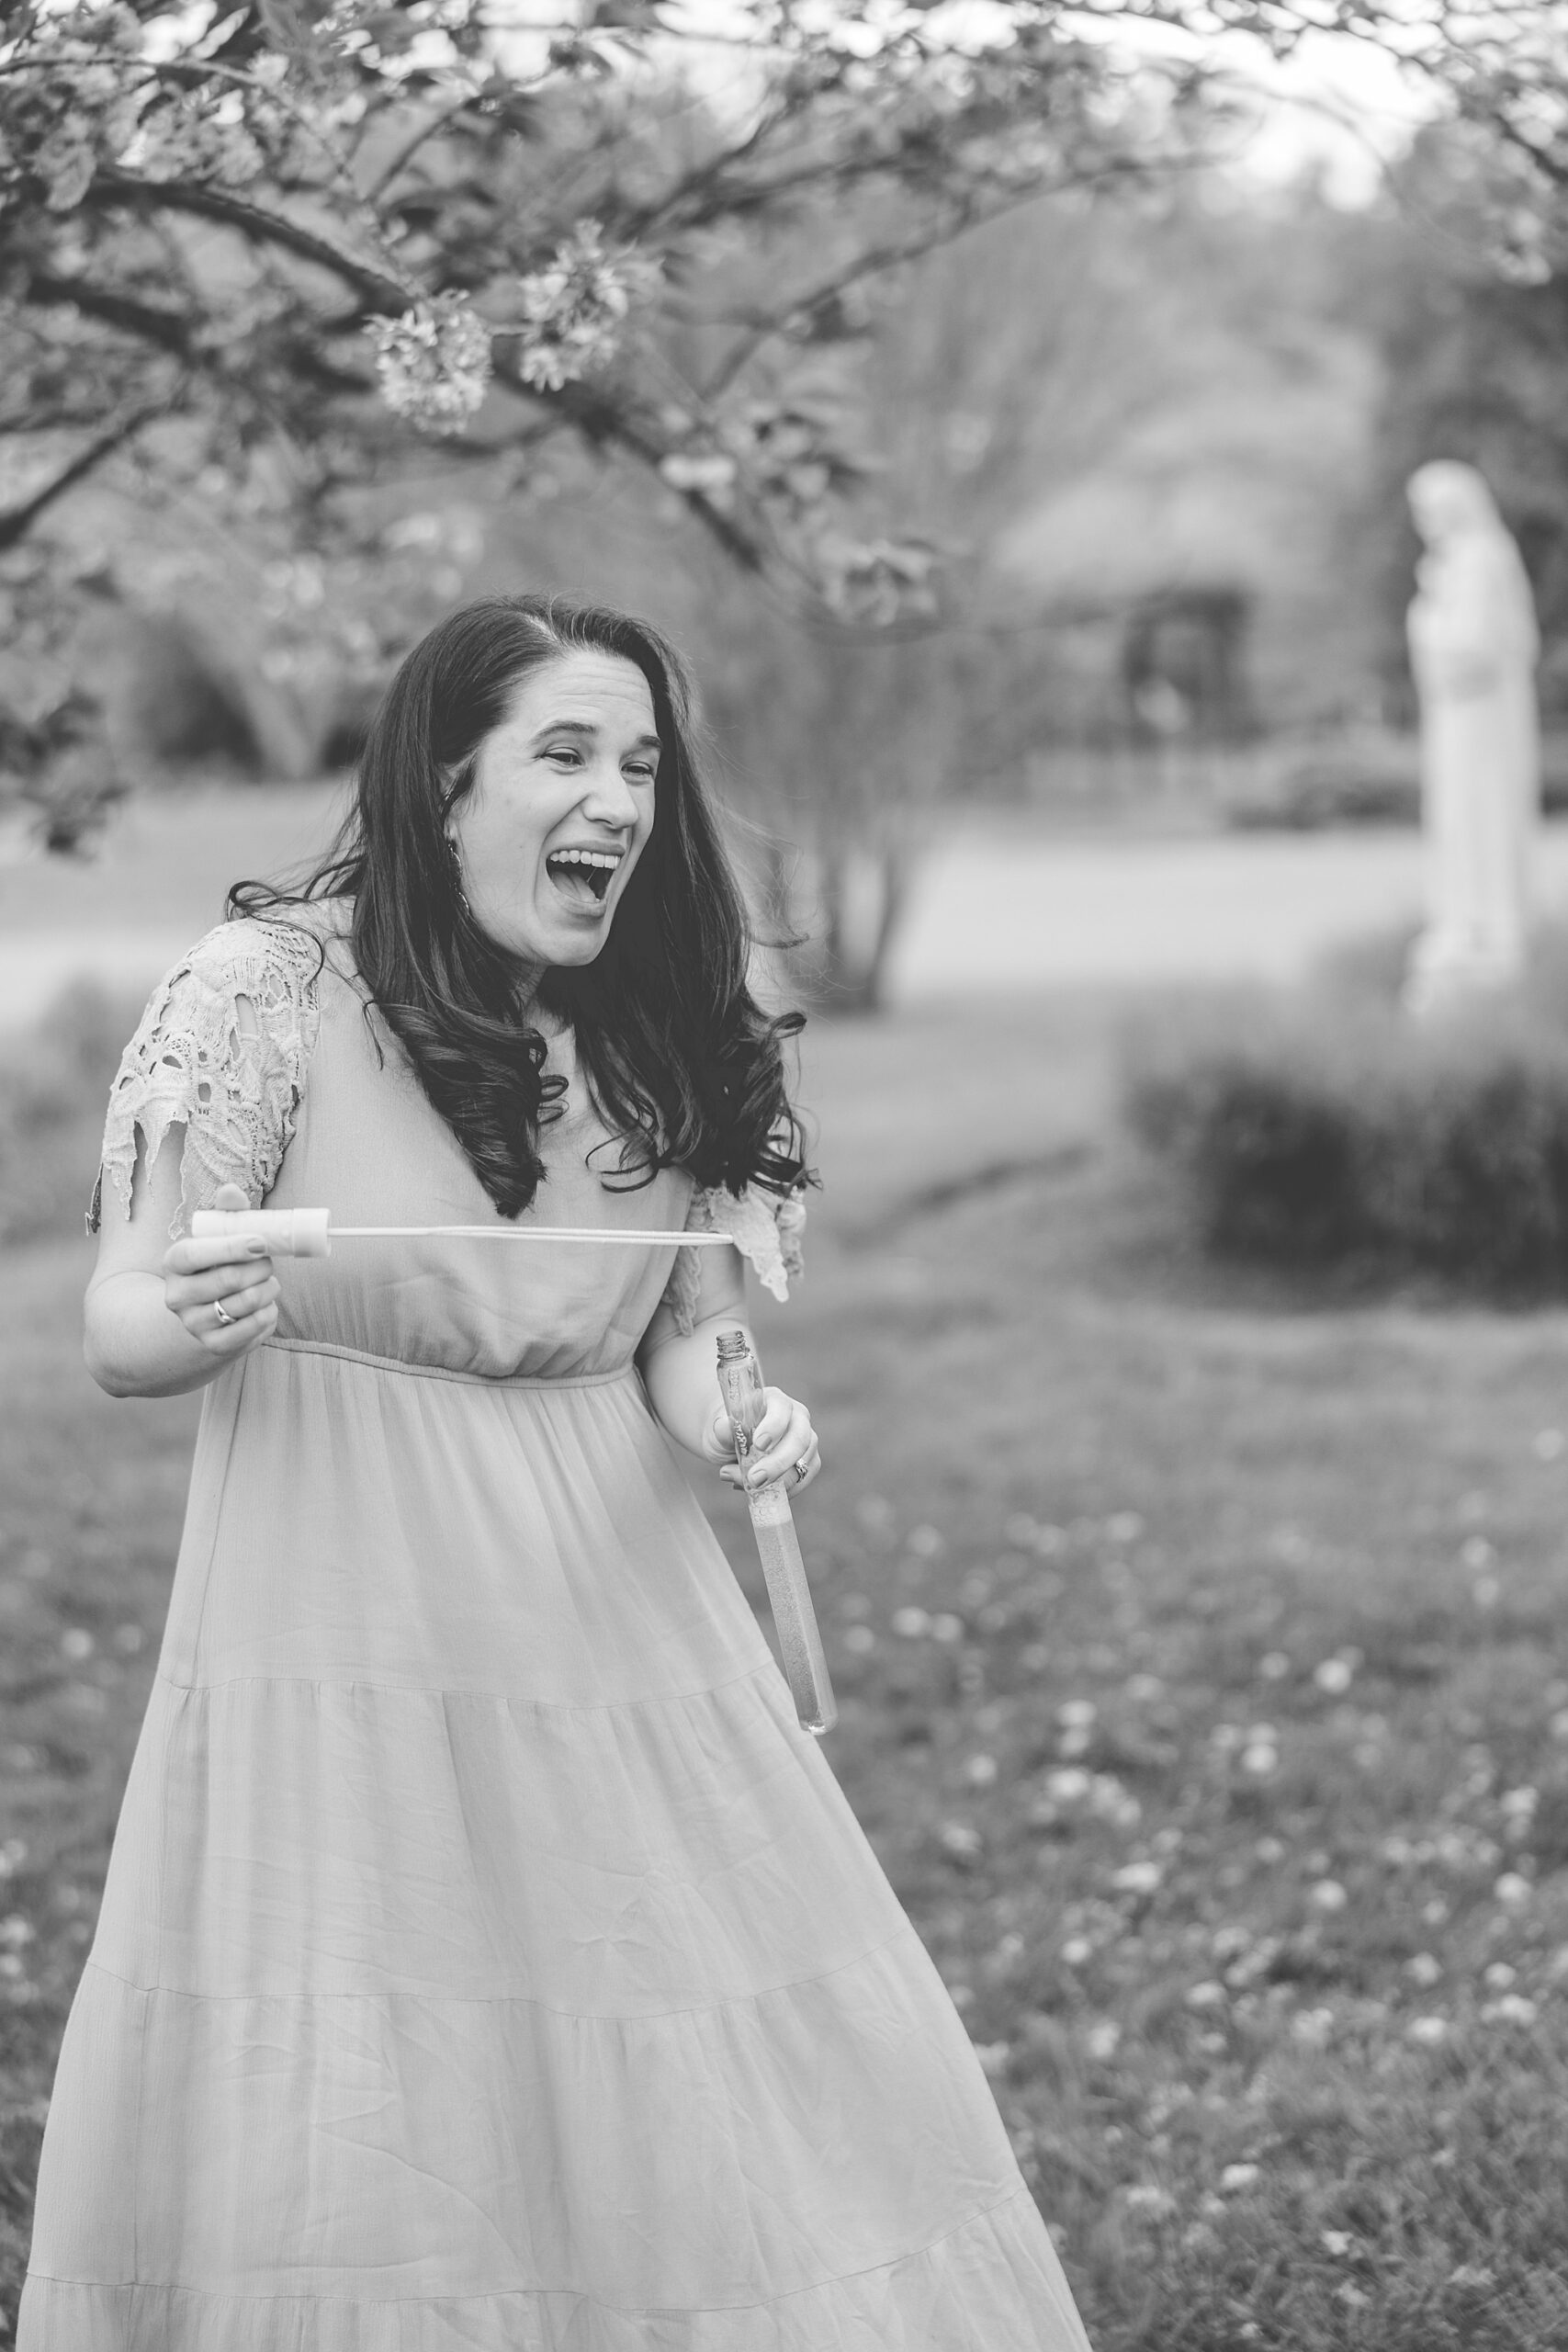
column 488, row 1961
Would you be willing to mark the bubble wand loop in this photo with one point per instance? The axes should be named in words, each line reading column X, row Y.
column 310, row 1233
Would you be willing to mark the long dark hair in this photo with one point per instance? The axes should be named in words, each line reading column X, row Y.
column 681, row 1060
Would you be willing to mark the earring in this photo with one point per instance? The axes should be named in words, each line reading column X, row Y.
column 457, row 875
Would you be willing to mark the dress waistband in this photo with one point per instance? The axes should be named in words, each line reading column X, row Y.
column 441, row 1372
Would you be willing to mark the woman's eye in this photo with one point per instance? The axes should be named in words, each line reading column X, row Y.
column 641, row 772
column 568, row 752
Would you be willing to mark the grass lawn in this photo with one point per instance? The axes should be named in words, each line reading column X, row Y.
column 1202, row 1654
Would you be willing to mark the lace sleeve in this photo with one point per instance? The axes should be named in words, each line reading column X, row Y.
column 767, row 1230
column 221, row 1051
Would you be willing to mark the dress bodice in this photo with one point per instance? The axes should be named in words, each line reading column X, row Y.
column 370, row 1147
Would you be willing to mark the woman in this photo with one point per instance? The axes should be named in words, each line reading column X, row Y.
column 488, row 1959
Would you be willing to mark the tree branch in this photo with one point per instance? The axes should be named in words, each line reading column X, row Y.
column 380, row 292
column 149, row 322
column 15, row 521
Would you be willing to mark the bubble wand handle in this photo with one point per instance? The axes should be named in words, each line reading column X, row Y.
column 778, row 1547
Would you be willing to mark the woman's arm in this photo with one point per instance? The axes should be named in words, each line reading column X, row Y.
column 679, row 1371
column 150, row 1325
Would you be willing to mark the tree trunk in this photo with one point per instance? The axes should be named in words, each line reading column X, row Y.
column 860, row 891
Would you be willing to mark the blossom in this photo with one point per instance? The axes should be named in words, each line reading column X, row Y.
column 574, row 308
column 1138, row 1877
column 1428, row 2030
column 911, row 1623
column 1512, row 2008
column 1314, row 2027
column 1328, row 1895
column 1103, row 2037
column 1512, row 1888
column 434, row 363
column 1334, row 1674
column 1236, row 2176
column 1518, row 1810
column 1424, row 1968
column 1208, row 1995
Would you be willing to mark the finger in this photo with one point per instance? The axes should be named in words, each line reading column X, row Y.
column 220, row 1282
column 230, row 1339
column 720, row 1442
column 230, row 1196
column 774, row 1425
column 764, row 1467
column 190, row 1257
column 234, row 1302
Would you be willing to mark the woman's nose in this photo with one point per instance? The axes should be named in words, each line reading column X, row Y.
column 609, row 798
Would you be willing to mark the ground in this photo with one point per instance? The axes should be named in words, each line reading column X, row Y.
column 1202, row 1654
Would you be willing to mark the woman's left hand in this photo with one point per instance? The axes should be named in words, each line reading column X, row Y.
column 784, row 1446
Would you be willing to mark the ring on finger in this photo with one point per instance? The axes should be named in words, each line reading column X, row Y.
column 803, row 1467
column 224, row 1318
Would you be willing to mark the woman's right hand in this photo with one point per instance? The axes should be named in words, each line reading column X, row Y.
column 231, row 1272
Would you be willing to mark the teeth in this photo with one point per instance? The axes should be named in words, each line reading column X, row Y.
column 608, row 859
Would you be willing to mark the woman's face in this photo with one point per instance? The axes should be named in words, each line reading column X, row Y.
column 560, row 808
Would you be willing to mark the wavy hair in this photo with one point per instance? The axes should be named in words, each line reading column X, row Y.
column 681, row 1060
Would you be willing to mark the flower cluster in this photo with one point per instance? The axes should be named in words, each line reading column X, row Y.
column 189, row 137
column 434, row 363
column 880, row 582
column 574, row 308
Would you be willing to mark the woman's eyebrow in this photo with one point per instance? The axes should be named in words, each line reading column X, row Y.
column 586, row 727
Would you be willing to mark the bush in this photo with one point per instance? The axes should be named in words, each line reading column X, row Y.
column 1321, row 1127
column 54, row 1087
column 1366, row 777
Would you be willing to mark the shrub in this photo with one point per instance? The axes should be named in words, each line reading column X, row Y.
column 1364, row 777
column 54, row 1085
column 1320, row 1127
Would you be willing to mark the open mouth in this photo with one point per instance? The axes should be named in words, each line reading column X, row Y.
column 583, row 875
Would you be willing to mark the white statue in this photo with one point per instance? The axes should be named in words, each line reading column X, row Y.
column 1473, row 647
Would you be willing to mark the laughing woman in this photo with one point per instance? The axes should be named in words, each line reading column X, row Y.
column 488, row 1959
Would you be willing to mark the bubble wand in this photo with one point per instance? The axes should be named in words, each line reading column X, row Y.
column 310, row 1233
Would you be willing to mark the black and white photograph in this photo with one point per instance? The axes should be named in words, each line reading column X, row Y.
column 783, row 1176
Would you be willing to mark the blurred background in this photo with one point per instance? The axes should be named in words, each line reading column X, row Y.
column 1009, row 409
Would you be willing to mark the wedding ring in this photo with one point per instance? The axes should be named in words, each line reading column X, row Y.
column 223, row 1317
column 803, row 1467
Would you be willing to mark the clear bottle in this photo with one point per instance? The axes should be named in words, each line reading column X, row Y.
column 789, row 1595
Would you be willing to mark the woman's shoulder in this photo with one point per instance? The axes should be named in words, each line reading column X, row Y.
column 221, row 1052
column 286, row 947
column 767, row 1227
